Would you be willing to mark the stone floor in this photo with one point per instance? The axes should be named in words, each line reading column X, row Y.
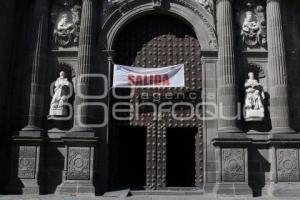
column 138, row 197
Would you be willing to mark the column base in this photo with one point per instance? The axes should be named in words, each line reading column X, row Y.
column 22, row 186
column 231, row 150
column 229, row 130
column 80, row 131
column 27, row 163
column 230, row 189
column 75, row 187
column 291, row 189
column 283, row 130
column 79, row 163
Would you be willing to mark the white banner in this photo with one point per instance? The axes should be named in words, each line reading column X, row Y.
column 137, row 77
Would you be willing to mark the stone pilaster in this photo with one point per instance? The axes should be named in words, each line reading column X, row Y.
column 227, row 96
column 38, row 64
column 230, row 143
column 281, row 174
column 80, row 140
column 27, row 145
column 279, row 110
column 86, row 54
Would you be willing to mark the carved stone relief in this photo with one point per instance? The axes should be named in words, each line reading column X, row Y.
column 157, row 3
column 78, row 163
column 27, row 162
column 233, row 166
column 287, row 165
column 253, row 26
column 65, row 18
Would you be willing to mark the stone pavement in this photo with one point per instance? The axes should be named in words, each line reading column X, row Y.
column 137, row 197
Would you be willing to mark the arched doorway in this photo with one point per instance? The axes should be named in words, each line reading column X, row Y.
column 153, row 151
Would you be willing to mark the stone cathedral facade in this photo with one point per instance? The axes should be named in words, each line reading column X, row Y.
column 59, row 132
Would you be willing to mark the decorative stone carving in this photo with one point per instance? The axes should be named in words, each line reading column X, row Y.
column 157, row 3
column 113, row 1
column 233, row 167
column 254, row 100
column 258, row 70
column 254, row 29
column 78, row 163
column 61, row 96
column 27, row 162
column 207, row 5
column 65, row 18
column 287, row 165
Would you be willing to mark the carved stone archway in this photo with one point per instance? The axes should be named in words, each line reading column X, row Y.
column 190, row 11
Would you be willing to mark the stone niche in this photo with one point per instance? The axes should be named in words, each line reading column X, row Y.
column 256, row 117
column 57, row 121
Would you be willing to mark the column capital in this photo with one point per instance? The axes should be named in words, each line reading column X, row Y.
column 220, row 1
column 275, row 1
column 110, row 53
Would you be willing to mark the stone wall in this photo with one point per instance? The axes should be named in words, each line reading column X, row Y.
column 292, row 41
column 7, row 17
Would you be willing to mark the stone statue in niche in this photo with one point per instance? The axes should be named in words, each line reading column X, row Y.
column 61, row 96
column 207, row 4
column 254, row 30
column 254, row 101
column 66, row 23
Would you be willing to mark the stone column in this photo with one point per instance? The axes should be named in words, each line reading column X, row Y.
column 230, row 143
column 282, row 149
column 279, row 110
column 27, row 144
column 38, row 64
column 86, row 54
column 227, row 96
column 80, row 140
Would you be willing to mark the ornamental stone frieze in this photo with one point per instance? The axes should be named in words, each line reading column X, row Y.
column 253, row 26
column 111, row 5
column 65, row 18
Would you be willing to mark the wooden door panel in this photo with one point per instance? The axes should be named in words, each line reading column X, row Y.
column 159, row 41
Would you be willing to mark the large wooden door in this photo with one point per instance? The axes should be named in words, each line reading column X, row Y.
column 159, row 41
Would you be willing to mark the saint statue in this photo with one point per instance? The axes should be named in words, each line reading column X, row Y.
column 254, row 106
column 253, row 30
column 60, row 97
column 250, row 29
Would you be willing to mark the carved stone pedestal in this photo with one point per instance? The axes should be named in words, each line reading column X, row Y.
column 27, row 163
column 79, row 164
column 232, row 164
column 284, row 158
